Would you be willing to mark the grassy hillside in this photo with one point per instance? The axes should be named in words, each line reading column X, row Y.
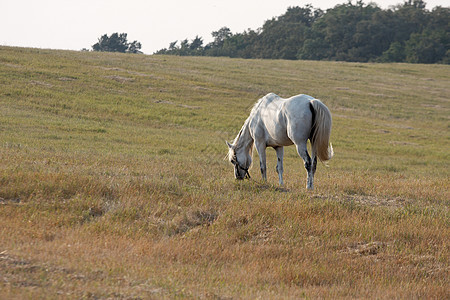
column 113, row 182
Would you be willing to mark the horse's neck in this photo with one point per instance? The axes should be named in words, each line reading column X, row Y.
column 245, row 140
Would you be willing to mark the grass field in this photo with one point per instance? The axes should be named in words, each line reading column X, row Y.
column 113, row 182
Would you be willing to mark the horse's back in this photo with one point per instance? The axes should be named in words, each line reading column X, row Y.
column 293, row 109
column 293, row 104
column 297, row 108
column 298, row 116
column 299, row 101
column 282, row 121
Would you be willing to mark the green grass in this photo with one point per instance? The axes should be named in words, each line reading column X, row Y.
column 113, row 182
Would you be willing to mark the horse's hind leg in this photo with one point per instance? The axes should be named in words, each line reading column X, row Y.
column 313, row 169
column 303, row 152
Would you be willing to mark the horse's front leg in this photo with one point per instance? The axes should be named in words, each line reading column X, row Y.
column 280, row 152
column 261, row 148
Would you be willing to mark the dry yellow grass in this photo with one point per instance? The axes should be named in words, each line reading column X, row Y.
column 113, row 183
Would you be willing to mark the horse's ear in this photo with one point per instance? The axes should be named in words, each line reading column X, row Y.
column 229, row 145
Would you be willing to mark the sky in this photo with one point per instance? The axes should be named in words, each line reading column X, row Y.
column 74, row 25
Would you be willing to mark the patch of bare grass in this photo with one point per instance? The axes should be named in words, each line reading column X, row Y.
column 120, row 79
column 189, row 221
column 368, row 200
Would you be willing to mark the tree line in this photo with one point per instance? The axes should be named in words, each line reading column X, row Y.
column 357, row 32
column 116, row 43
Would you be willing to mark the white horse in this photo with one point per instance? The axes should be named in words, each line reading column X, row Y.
column 277, row 122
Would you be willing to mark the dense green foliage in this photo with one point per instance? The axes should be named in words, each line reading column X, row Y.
column 348, row 32
column 116, row 43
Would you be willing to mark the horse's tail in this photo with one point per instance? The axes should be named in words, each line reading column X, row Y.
column 321, row 130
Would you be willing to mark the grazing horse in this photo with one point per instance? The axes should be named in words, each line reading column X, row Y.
column 276, row 122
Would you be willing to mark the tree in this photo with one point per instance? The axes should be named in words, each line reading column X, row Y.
column 426, row 47
column 116, row 43
column 284, row 36
column 197, row 43
column 411, row 17
column 395, row 53
column 173, row 46
column 220, row 36
column 134, row 47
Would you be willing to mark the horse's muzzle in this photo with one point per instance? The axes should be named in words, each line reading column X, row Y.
column 238, row 173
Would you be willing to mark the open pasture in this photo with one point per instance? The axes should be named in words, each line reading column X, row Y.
column 113, row 182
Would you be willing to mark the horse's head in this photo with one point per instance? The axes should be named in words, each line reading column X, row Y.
column 241, row 161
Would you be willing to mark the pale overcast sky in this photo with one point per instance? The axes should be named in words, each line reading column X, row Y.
column 65, row 24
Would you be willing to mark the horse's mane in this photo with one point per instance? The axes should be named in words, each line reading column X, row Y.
column 255, row 107
column 252, row 114
column 258, row 103
column 244, row 129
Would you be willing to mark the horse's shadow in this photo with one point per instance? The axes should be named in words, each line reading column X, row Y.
column 252, row 185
